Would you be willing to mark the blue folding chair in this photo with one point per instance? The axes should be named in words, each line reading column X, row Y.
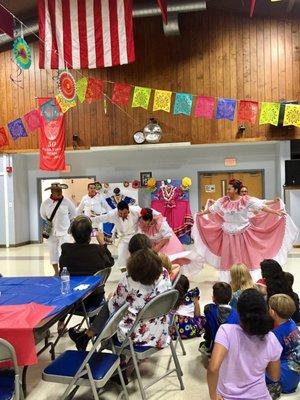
column 10, row 384
column 89, row 368
column 159, row 306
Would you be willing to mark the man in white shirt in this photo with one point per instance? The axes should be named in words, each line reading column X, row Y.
column 125, row 219
column 60, row 223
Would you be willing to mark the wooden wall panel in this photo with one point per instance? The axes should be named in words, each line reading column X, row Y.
column 221, row 55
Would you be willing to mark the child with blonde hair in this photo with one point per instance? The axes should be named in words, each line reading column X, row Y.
column 240, row 280
column 281, row 309
column 173, row 269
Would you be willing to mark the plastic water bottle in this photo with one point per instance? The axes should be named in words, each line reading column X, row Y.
column 65, row 281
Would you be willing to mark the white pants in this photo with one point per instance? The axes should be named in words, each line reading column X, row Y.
column 54, row 246
column 123, row 253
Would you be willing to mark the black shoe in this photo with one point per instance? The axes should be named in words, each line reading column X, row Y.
column 80, row 338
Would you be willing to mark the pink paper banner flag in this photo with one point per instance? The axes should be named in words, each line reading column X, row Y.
column 33, row 120
column 205, row 107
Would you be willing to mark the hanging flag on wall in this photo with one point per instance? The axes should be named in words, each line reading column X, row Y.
column 94, row 89
column 226, row 109
column 205, row 107
column 64, row 104
column 247, row 111
column 52, row 142
column 269, row 113
column 33, row 120
column 81, row 86
column 17, row 129
column 141, row 97
column 292, row 115
column 183, row 104
column 85, row 34
column 121, row 93
column 6, row 22
column 3, row 137
column 164, row 10
column 50, row 110
column 162, row 100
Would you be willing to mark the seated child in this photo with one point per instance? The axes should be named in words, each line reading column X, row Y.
column 173, row 269
column 290, row 280
column 188, row 315
column 281, row 309
column 217, row 313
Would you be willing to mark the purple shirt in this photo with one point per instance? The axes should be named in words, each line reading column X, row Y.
column 242, row 373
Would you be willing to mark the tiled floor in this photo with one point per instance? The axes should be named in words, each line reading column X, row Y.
column 33, row 260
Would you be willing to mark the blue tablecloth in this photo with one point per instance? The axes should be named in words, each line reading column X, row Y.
column 45, row 290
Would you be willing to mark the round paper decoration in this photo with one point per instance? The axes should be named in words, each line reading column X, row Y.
column 22, row 53
column 67, row 85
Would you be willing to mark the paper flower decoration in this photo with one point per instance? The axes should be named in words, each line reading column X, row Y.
column 22, row 53
column 126, row 184
column 186, row 183
column 151, row 183
column 67, row 85
column 136, row 184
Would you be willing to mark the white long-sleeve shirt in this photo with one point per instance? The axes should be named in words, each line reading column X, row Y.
column 63, row 216
column 97, row 204
column 126, row 228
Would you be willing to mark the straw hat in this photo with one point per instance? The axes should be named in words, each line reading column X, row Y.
column 57, row 185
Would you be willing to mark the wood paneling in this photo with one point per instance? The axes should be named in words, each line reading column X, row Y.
column 216, row 55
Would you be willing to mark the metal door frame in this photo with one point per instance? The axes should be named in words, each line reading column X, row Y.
column 199, row 173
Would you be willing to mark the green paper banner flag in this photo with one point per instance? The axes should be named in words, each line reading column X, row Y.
column 269, row 113
column 141, row 97
column 81, row 86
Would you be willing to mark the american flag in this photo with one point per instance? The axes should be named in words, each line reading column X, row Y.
column 85, row 33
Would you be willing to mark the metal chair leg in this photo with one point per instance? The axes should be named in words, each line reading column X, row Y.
column 91, row 379
column 137, row 371
column 124, row 389
column 180, row 340
column 177, row 366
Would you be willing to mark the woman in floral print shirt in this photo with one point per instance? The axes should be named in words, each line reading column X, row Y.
column 145, row 278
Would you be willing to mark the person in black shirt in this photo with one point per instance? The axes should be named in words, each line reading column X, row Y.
column 85, row 258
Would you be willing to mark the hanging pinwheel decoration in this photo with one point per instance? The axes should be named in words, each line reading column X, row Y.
column 22, row 53
column 67, row 85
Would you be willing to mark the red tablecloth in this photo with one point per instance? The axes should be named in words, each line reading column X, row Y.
column 16, row 326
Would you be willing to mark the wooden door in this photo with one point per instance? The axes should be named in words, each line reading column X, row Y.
column 213, row 185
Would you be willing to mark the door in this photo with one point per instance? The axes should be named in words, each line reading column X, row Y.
column 213, row 185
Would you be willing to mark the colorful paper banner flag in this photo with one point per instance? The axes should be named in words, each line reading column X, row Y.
column 226, row 109
column 205, row 107
column 3, row 137
column 141, row 97
column 64, row 104
column 121, row 93
column 17, row 129
column 162, row 100
column 94, row 90
column 81, row 87
column 247, row 111
column 50, row 111
column 292, row 115
column 33, row 120
column 269, row 113
column 183, row 104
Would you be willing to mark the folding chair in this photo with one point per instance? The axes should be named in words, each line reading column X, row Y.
column 173, row 324
column 161, row 305
column 88, row 368
column 10, row 384
column 92, row 311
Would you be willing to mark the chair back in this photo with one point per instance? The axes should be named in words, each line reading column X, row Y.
column 105, row 274
column 159, row 306
column 7, row 352
column 112, row 323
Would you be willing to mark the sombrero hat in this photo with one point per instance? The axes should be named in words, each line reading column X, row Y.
column 57, row 185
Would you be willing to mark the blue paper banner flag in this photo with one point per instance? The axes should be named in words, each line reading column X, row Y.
column 17, row 129
column 183, row 104
column 226, row 109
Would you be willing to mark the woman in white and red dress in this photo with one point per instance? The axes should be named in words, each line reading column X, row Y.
column 225, row 233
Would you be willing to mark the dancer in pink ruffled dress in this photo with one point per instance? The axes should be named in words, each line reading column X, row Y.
column 228, row 232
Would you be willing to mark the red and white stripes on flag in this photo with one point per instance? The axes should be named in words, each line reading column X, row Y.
column 85, row 33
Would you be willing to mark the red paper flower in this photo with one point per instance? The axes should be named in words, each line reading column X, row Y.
column 136, row 184
column 143, row 212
